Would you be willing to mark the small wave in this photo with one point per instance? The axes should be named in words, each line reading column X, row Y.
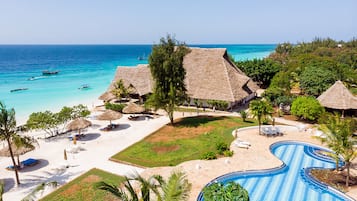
column 36, row 78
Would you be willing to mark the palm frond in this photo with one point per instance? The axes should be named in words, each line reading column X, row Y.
column 112, row 189
column 177, row 187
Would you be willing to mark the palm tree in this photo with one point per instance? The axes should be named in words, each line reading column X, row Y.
column 339, row 139
column 260, row 109
column 1, row 189
column 176, row 188
column 8, row 132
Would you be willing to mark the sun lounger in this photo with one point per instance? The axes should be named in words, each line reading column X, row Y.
column 241, row 145
column 271, row 131
column 26, row 163
column 278, row 131
column 29, row 162
column 242, row 142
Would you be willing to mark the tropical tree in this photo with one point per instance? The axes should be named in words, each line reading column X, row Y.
column 228, row 192
column 2, row 189
column 307, row 108
column 50, row 122
column 340, row 139
column 315, row 79
column 8, row 132
column 260, row 109
column 166, row 66
column 23, row 142
column 120, row 91
column 176, row 188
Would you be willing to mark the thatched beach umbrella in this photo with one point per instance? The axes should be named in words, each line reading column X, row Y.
column 133, row 108
column 78, row 124
column 17, row 151
column 107, row 96
column 338, row 97
column 109, row 115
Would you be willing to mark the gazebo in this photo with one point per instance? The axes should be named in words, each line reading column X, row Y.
column 338, row 97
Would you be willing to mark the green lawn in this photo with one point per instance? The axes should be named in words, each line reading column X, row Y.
column 82, row 188
column 189, row 139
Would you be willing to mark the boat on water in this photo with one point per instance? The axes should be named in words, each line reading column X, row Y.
column 18, row 89
column 35, row 78
column 84, row 86
column 142, row 57
column 47, row 72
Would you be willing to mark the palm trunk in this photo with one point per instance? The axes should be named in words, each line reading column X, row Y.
column 171, row 117
column 348, row 173
column 13, row 162
column 259, row 123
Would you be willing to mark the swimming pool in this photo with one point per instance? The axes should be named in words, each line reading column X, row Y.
column 291, row 181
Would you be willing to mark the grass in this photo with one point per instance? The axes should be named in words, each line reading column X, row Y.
column 82, row 188
column 188, row 139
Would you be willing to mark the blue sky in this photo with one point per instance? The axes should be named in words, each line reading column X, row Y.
column 191, row 21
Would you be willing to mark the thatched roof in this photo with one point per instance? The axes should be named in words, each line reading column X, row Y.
column 107, row 96
column 133, row 108
column 109, row 115
column 338, row 97
column 15, row 150
column 78, row 124
column 209, row 76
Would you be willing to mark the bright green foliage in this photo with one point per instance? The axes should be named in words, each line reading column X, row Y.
column 50, row 122
column 218, row 104
column 261, row 71
column 210, row 155
column 315, row 80
column 115, row 107
column 339, row 137
column 307, row 107
column 230, row 192
column 166, row 66
column 260, row 109
column 221, row 147
column 120, row 91
column 177, row 188
column 243, row 114
column 8, row 132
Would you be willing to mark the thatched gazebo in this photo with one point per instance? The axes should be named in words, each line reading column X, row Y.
column 109, row 115
column 133, row 108
column 338, row 97
column 79, row 124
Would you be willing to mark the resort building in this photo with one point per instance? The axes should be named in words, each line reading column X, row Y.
column 210, row 75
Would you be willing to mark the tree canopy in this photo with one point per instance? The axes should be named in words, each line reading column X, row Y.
column 166, row 66
column 307, row 107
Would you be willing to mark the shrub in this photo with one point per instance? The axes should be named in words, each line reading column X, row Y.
column 221, row 192
column 209, row 156
column 307, row 108
column 228, row 153
column 243, row 114
column 221, row 147
column 115, row 107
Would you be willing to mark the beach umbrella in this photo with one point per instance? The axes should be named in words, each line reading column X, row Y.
column 133, row 108
column 78, row 124
column 107, row 96
column 109, row 115
column 17, row 151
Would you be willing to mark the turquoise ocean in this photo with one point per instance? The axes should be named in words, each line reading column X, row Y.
column 21, row 66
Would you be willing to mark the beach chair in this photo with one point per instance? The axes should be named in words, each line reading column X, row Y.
column 271, row 131
column 278, row 131
column 265, row 131
column 242, row 142
column 241, row 145
column 29, row 162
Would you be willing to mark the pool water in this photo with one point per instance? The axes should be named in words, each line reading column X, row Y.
column 291, row 181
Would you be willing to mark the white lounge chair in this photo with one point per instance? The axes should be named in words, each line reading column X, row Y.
column 265, row 131
column 242, row 142
column 278, row 131
column 241, row 145
column 271, row 131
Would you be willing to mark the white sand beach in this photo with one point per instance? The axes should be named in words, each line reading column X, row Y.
column 97, row 147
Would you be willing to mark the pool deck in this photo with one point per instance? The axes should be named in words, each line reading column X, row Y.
column 257, row 157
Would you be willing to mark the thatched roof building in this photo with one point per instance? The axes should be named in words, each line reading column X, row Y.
column 338, row 97
column 210, row 75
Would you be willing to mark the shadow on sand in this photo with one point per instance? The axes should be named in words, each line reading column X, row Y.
column 41, row 163
column 89, row 137
column 9, row 183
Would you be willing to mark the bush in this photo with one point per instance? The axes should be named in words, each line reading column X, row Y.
column 221, row 192
column 228, row 153
column 209, row 156
column 218, row 104
column 115, row 107
column 221, row 147
column 307, row 108
column 244, row 115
